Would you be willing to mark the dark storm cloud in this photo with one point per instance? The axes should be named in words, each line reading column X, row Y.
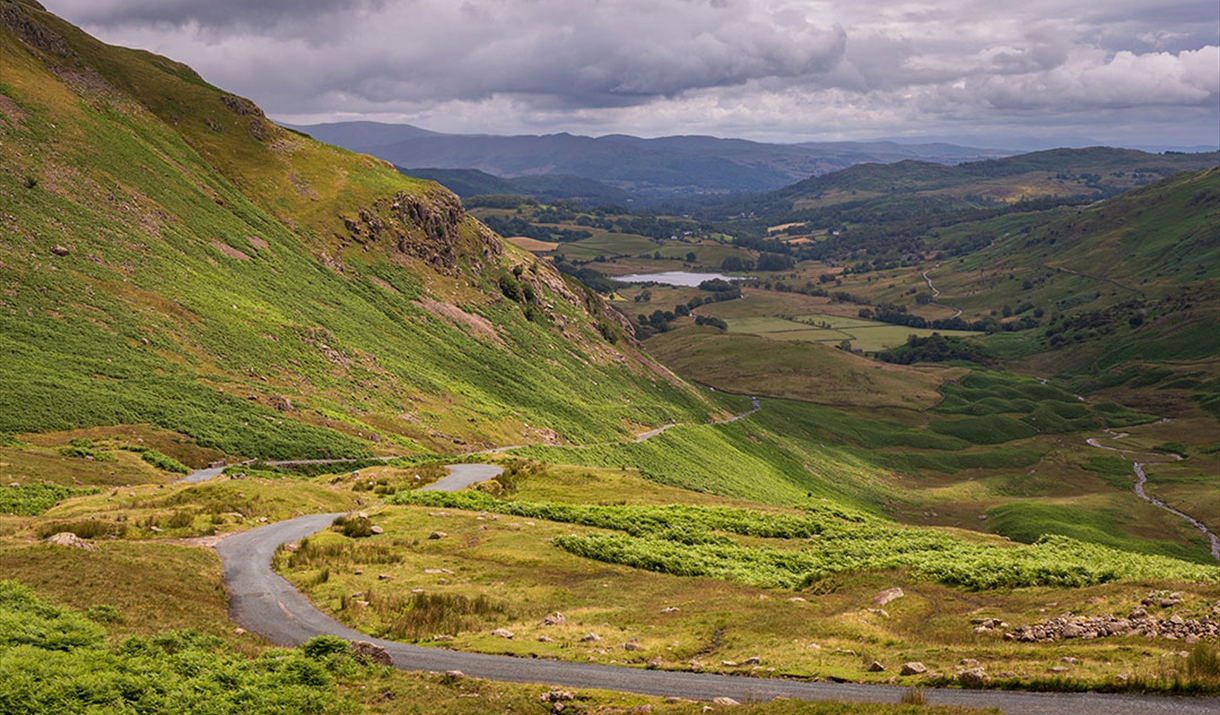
column 211, row 14
column 775, row 67
column 582, row 54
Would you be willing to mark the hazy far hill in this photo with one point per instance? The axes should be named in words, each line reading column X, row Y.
column 885, row 191
column 674, row 166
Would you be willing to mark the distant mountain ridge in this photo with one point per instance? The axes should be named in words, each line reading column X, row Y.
column 675, row 166
column 876, row 189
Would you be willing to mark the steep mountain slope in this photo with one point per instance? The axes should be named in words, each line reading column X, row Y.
column 169, row 256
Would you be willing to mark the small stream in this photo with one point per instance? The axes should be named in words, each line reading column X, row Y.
column 1141, row 479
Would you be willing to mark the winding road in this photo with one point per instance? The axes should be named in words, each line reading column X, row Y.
column 263, row 602
column 936, row 294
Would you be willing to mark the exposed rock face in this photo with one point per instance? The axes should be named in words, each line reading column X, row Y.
column 366, row 652
column 243, row 107
column 67, row 538
column 32, row 32
column 429, row 228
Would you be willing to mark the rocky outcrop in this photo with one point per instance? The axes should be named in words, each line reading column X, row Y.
column 366, row 652
column 432, row 227
column 243, row 107
column 67, row 538
column 31, row 32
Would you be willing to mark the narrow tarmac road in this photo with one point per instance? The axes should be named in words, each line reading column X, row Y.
column 261, row 601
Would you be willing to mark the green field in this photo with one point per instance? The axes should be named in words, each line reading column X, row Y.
column 866, row 335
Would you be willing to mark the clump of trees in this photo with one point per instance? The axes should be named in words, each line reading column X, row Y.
column 937, row 348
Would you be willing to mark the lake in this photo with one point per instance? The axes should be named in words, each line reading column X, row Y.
column 673, row 278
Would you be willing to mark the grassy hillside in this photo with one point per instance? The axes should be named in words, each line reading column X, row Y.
column 171, row 257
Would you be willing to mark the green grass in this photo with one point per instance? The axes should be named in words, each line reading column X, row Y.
column 761, row 458
column 1027, row 522
column 691, row 541
column 988, row 429
column 53, row 660
column 865, row 335
column 34, row 499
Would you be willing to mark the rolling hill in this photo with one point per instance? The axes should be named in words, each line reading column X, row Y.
column 876, row 191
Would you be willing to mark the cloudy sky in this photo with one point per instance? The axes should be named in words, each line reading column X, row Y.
column 1018, row 74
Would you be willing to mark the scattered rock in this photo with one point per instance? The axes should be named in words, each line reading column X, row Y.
column 366, row 652
column 545, row 639
column 654, row 663
column 752, row 660
column 384, row 577
column 67, row 538
column 973, row 678
column 1058, row 669
column 555, row 619
column 875, row 667
column 696, row 666
column 454, row 674
column 722, row 700
column 670, row 609
column 632, row 646
column 1069, row 660
column 437, row 535
column 557, row 696
column 968, row 663
column 239, row 631
column 590, row 638
column 442, row 638
column 502, row 633
column 1175, row 627
column 376, row 530
column 60, row 250
column 889, row 594
column 729, row 663
column 913, row 668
